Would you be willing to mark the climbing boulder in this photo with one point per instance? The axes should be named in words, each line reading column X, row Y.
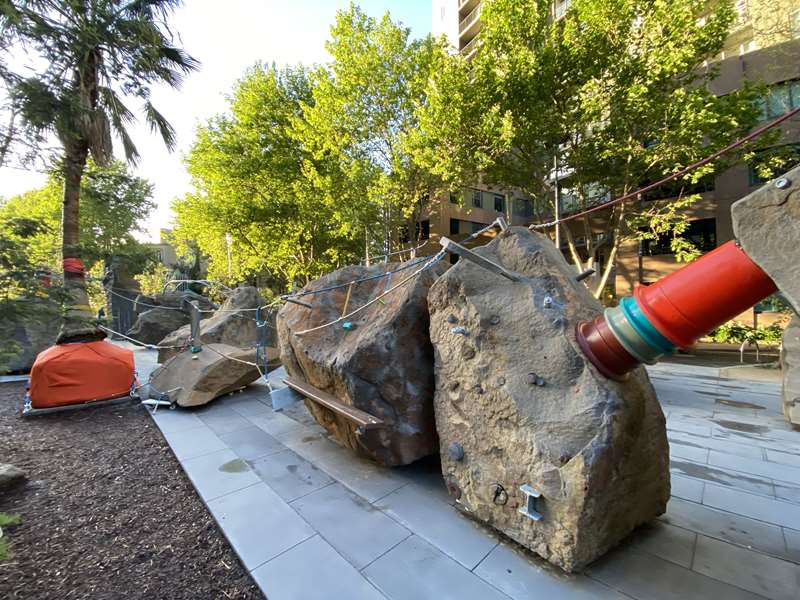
column 520, row 412
column 230, row 324
column 790, row 368
column 155, row 324
column 29, row 335
column 765, row 226
column 194, row 379
column 381, row 363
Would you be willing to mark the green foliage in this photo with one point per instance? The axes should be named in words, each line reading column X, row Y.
column 7, row 519
column 115, row 205
column 254, row 198
column 311, row 168
column 616, row 89
column 735, row 332
column 363, row 113
column 152, row 279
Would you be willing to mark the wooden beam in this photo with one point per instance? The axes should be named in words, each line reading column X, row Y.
column 351, row 413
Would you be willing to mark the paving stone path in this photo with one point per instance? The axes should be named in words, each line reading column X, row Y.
column 310, row 520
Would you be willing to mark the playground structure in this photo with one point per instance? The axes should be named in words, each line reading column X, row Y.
column 558, row 442
column 549, row 429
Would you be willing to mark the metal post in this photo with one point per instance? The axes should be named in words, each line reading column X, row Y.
column 479, row 260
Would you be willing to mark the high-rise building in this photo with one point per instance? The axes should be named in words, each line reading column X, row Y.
column 763, row 46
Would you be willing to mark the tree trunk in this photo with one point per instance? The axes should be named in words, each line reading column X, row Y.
column 77, row 325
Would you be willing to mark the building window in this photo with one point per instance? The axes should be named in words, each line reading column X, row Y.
column 560, row 8
column 454, row 197
column 499, row 203
column 781, row 98
column 455, row 226
column 702, row 233
column 477, row 199
column 476, row 227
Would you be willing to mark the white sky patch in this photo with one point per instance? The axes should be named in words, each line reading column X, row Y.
column 227, row 38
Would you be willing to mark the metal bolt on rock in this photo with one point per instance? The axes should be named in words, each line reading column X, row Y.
column 459, row 331
column 782, row 183
column 499, row 494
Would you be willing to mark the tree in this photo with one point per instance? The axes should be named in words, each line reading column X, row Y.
column 114, row 205
column 256, row 213
column 92, row 54
column 615, row 92
column 364, row 109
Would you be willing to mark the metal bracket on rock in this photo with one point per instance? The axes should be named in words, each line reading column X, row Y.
column 529, row 510
column 459, row 250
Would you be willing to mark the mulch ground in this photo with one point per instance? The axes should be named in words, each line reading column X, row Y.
column 108, row 512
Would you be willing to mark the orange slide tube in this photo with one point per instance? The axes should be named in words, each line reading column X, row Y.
column 706, row 293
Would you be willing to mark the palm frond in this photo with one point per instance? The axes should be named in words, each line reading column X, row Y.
column 158, row 123
column 120, row 116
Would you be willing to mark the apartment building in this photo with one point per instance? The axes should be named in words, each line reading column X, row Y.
column 764, row 46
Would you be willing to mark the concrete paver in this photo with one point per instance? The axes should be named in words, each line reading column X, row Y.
column 258, row 524
column 523, row 577
column 764, row 575
column 353, row 526
column 440, row 524
column 313, row 570
column 415, row 569
column 289, row 498
column 290, row 475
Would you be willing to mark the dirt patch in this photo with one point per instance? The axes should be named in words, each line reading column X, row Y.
column 108, row 511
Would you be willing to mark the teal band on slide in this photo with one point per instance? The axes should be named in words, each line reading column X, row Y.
column 643, row 327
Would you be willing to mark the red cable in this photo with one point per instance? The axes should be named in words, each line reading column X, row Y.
column 752, row 135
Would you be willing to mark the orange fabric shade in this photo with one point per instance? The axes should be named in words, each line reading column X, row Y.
column 78, row 373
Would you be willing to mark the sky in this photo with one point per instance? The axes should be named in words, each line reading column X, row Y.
column 227, row 38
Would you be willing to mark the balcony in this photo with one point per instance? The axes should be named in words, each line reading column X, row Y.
column 471, row 47
column 469, row 20
column 466, row 5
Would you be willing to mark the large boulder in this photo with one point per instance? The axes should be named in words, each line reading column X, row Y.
column 30, row 335
column 790, row 368
column 233, row 324
column 517, row 404
column 194, row 379
column 155, row 324
column 382, row 366
column 765, row 224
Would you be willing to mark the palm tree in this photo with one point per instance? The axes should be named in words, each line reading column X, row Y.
column 93, row 54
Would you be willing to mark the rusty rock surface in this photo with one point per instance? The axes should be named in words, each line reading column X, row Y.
column 790, row 368
column 383, row 366
column 196, row 379
column 228, row 325
column 767, row 226
column 517, row 403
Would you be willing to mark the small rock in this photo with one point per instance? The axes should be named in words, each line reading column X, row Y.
column 11, row 476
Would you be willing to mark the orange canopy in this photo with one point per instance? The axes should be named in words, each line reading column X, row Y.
column 78, row 373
